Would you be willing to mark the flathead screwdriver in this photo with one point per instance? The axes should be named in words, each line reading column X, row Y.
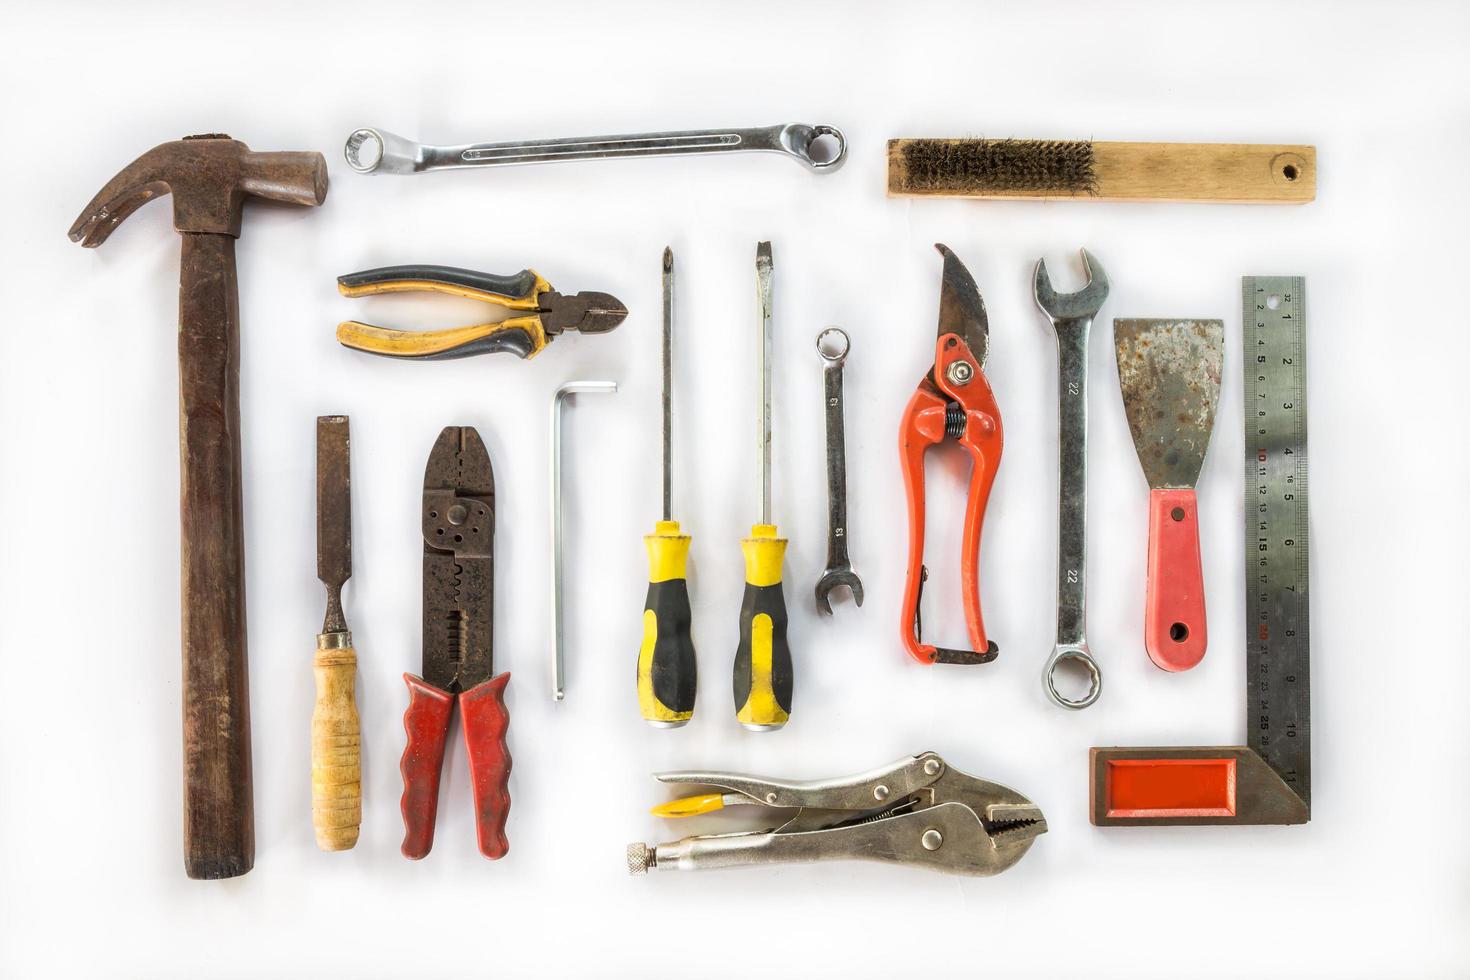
column 763, row 660
column 666, row 665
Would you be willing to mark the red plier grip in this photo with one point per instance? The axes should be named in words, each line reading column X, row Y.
column 485, row 721
column 958, row 404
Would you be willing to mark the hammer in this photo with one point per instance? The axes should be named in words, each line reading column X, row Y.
column 210, row 177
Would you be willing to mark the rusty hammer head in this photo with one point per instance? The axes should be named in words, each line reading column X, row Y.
column 209, row 177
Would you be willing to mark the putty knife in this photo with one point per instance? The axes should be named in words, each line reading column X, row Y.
column 1170, row 374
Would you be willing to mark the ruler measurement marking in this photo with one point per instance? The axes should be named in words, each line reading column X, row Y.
column 1276, row 480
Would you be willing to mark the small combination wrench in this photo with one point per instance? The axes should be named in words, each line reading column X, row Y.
column 1072, row 314
column 820, row 148
column 833, row 345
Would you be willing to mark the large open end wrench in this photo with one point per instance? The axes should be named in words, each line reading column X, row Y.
column 832, row 345
column 1071, row 314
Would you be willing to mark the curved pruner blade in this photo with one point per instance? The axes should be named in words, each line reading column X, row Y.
column 961, row 310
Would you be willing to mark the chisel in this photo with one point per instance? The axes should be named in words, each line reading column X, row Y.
column 336, row 779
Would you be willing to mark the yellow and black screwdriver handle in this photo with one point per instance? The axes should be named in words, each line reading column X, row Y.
column 666, row 664
column 524, row 336
column 763, row 660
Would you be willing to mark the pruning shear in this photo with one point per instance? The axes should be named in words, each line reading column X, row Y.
column 953, row 401
column 546, row 313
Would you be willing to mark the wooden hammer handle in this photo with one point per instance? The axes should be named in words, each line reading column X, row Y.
column 336, row 769
column 219, row 816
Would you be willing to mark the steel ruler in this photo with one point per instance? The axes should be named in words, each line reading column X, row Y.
column 1268, row 780
column 1278, row 708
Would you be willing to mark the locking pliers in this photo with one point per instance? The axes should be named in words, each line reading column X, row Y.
column 918, row 811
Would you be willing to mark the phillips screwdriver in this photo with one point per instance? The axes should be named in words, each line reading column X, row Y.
column 763, row 660
column 666, row 665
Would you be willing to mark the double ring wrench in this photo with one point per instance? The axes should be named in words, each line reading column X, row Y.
column 820, row 148
column 833, row 344
column 1071, row 314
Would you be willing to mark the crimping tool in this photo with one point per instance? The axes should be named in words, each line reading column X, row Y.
column 458, row 520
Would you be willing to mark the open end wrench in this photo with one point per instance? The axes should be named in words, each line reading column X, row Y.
column 1071, row 314
column 832, row 345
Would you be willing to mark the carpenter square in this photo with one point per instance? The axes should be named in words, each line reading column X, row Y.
column 1268, row 780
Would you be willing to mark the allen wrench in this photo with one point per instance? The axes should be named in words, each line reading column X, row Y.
column 558, row 653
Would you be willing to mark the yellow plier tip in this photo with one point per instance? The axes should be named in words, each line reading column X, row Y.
column 690, row 806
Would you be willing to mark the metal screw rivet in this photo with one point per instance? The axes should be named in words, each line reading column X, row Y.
column 931, row 840
column 880, row 792
column 457, row 514
column 931, row 766
column 960, row 372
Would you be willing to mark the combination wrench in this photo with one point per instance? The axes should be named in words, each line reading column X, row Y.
column 1071, row 314
column 833, row 345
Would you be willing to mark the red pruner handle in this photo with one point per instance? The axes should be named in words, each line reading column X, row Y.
column 983, row 440
column 427, row 722
column 922, row 427
column 482, row 709
column 1174, row 630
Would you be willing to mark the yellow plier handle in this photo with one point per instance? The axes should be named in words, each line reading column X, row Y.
column 524, row 336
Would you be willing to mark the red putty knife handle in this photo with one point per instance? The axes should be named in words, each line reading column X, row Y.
column 1174, row 629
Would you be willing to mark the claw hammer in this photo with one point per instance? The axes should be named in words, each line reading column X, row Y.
column 210, row 177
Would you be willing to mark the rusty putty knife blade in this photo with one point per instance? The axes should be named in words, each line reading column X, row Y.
column 1170, row 374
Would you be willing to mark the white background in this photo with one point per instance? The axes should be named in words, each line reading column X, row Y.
column 91, row 882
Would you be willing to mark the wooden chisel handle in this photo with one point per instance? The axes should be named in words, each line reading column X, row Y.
column 336, row 768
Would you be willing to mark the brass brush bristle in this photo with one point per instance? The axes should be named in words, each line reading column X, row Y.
column 999, row 166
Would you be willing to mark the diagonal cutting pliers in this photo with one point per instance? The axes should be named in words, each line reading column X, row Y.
column 953, row 401
column 540, row 313
column 459, row 534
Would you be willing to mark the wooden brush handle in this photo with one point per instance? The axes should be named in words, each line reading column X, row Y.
column 1238, row 173
column 336, row 769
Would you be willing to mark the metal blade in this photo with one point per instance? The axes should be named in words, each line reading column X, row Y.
column 668, row 365
column 763, row 269
column 1170, row 374
column 961, row 310
column 333, row 509
column 587, row 312
column 458, row 518
column 333, row 500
